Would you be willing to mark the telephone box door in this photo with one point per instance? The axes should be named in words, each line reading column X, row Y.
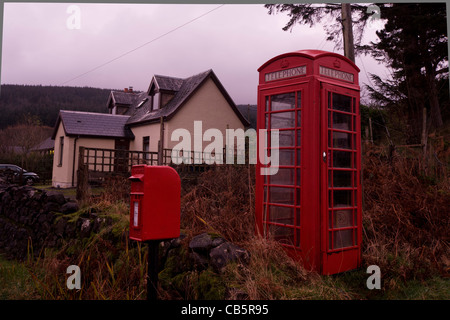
column 281, row 216
column 340, row 179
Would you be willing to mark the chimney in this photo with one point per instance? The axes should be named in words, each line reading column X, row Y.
column 130, row 89
column 125, row 90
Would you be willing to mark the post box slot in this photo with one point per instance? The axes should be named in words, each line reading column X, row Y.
column 137, row 177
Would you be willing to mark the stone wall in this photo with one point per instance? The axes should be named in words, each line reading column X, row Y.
column 32, row 219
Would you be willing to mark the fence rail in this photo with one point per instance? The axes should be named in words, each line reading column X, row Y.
column 94, row 164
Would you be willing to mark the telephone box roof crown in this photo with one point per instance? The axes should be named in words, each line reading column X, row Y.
column 311, row 54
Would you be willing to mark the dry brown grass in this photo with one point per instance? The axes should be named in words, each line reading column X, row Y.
column 222, row 202
column 406, row 216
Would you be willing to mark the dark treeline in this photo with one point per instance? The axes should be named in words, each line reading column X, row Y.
column 21, row 102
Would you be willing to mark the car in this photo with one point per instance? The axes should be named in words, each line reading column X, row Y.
column 12, row 174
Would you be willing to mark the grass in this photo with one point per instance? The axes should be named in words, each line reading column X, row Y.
column 67, row 192
column 405, row 225
column 16, row 282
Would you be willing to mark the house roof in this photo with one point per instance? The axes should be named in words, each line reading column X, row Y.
column 76, row 123
column 47, row 144
column 184, row 88
column 168, row 83
column 122, row 98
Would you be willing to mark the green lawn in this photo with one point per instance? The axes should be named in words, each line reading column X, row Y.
column 67, row 192
column 16, row 281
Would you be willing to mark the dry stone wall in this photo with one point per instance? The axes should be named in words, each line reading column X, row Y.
column 32, row 219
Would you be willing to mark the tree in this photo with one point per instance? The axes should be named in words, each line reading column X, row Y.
column 20, row 139
column 310, row 14
column 415, row 44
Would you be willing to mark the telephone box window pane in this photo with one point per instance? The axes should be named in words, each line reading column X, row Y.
column 299, row 118
column 329, row 100
column 343, row 238
column 283, row 101
column 297, row 213
column 267, row 104
column 287, row 157
column 282, row 195
column 342, row 159
column 299, row 138
column 342, row 103
column 287, row 138
column 341, row 179
column 282, row 215
column 281, row 120
column 342, row 121
column 343, row 218
column 299, row 99
column 267, row 121
column 282, row 234
column 342, row 140
column 342, row 198
column 284, row 176
column 299, row 177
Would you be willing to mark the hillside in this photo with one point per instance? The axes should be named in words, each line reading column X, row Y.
column 44, row 102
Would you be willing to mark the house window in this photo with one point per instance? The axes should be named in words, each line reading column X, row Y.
column 146, row 147
column 61, row 149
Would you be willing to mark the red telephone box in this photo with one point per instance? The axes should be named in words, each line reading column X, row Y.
column 312, row 205
column 155, row 203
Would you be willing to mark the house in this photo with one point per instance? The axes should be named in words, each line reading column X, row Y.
column 138, row 121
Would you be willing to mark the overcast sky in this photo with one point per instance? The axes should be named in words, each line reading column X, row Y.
column 234, row 40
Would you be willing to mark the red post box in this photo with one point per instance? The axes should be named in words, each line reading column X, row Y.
column 155, row 203
column 312, row 205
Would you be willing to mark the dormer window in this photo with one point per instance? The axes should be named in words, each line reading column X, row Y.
column 142, row 102
column 156, row 100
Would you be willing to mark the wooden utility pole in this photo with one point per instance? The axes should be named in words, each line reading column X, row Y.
column 349, row 47
column 161, row 142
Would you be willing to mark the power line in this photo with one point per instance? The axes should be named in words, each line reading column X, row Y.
column 143, row 45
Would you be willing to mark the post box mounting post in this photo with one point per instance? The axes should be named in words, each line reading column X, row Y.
column 154, row 213
column 152, row 270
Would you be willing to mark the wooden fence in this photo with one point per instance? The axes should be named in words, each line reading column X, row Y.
column 95, row 164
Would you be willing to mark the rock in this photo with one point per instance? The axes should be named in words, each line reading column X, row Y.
column 217, row 241
column 175, row 243
column 86, row 227
column 221, row 255
column 56, row 197
column 199, row 261
column 60, row 227
column 52, row 207
column 69, row 207
column 201, row 243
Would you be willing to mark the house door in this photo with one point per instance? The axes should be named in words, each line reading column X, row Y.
column 340, row 179
column 121, row 146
